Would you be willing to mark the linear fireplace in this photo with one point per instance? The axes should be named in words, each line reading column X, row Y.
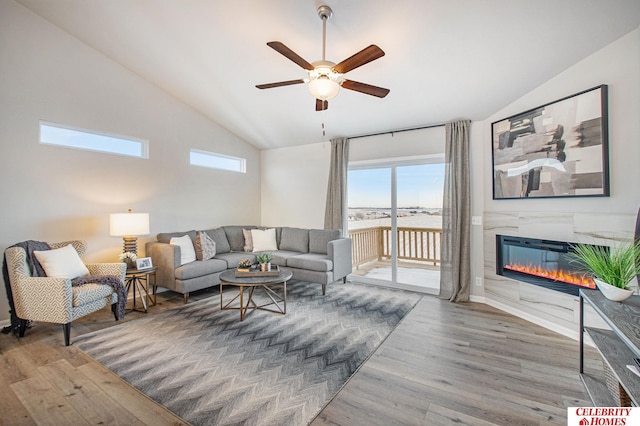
column 545, row 263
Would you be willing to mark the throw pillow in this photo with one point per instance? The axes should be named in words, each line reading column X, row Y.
column 248, row 240
column 187, row 252
column 205, row 246
column 62, row 263
column 264, row 239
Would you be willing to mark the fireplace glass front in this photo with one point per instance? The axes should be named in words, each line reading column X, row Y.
column 545, row 263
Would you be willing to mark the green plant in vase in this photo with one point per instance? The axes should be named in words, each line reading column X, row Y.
column 264, row 259
column 613, row 270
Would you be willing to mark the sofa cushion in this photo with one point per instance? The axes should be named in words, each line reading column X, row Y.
column 204, row 245
column 200, row 269
column 232, row 259
column 264, row 239
column 311, row 261
column 187, row 251
column 235, row 236
column 280, row 256
column 294, row 239
column 220, row 237
column 319, row 238
column 165, row 237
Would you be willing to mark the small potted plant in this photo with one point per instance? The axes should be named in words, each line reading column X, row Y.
column 244, row 265
column 613, row 270
column 264, row 259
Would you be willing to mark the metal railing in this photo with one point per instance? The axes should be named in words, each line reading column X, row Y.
column 415, row 244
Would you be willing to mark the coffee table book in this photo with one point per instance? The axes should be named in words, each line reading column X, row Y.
column 247, row 273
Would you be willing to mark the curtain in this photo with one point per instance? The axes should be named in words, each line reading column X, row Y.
column 455, row 246
column 335, row 216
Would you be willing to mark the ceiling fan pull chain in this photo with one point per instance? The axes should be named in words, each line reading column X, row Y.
column 323, row 126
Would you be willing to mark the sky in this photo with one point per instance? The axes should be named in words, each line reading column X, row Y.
column 418, row 186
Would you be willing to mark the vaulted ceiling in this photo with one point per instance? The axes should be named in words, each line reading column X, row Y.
column 445, row 59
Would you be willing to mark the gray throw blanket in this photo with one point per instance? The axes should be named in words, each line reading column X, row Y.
column 111, row 280
column 36, row 271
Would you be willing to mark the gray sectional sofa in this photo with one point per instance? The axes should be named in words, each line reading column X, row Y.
column 315, row 255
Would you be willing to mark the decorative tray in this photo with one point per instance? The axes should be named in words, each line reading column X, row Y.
column 255, row 271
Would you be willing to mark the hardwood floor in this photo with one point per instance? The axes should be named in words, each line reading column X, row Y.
column 444, row 364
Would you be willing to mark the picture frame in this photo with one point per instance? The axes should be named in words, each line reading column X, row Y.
column 144, row 263
column 559, row 149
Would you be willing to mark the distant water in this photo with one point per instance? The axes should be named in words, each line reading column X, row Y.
column 416, row 220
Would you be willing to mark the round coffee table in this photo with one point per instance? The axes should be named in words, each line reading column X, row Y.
column 267, row 284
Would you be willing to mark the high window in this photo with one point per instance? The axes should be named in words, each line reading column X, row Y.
column 70, row 137
column 217, row 161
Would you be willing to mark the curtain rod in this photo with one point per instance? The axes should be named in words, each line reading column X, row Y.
column 397, row 131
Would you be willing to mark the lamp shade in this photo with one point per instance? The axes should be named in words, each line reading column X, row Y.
column 323, row 88
column 124, row 224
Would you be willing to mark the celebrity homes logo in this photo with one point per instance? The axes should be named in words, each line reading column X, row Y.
column 603, row 416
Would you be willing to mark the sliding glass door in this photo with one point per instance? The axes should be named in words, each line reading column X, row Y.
column 395, row 222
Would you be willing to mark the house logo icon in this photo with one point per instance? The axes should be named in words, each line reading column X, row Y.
column 583, row 422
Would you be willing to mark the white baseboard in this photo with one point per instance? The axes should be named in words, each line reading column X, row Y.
column 477, row 299
column 573, row 334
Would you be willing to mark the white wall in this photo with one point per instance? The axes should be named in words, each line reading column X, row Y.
column 478, row 171
column 53, row 194
column 294, row 185
column 429, row 141
column 599, row 220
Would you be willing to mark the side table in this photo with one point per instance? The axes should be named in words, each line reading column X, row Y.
column 140, row 280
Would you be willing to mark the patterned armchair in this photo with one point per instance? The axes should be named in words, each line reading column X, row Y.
column 54, row 299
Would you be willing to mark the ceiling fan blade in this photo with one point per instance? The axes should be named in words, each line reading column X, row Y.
column 321, row 105
column 368, row 89
column 364, row 56
column 279, row 84
column 289, row 54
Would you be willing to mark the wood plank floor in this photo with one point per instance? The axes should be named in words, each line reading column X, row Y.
column 444, row 364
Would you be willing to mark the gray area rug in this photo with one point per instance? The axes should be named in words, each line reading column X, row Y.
column 270, row 369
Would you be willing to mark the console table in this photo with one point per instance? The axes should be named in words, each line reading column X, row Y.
column 617, row 347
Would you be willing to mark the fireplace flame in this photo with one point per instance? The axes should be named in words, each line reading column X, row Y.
column 555, row 275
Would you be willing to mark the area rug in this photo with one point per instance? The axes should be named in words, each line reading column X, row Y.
column 209, row 368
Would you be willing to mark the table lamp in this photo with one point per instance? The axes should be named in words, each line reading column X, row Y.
column 129, row 226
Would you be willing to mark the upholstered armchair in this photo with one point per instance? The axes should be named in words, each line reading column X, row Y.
column 54, row 300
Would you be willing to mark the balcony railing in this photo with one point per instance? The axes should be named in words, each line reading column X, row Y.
column 415, row 244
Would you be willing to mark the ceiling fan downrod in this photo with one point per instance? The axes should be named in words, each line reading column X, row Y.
column 324, row 12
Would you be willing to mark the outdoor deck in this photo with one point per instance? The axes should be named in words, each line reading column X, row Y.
column 418, row 255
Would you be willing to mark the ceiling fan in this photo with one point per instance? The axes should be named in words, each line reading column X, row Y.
column 326, row 77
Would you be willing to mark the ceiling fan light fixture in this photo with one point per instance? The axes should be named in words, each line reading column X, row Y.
column 324, row 88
